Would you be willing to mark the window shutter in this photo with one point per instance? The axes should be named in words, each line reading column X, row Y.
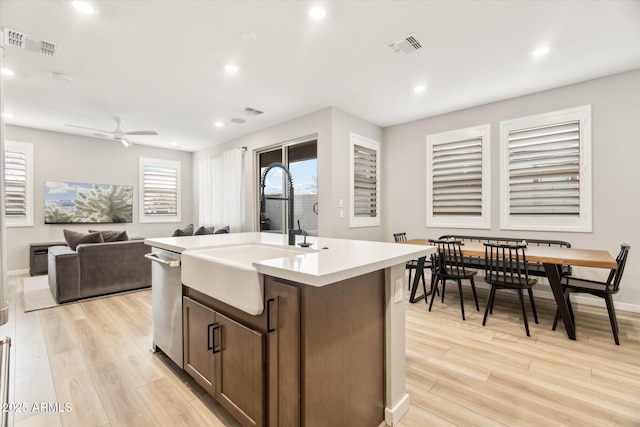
column 160, row 190
column 544, row 170
column 457, row 178
column 365, row 182
column 15, row 175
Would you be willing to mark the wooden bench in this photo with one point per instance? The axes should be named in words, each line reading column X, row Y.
column 535, row 268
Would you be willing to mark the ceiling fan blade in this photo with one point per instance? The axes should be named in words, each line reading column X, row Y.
column 142, row 132
column 83, row 127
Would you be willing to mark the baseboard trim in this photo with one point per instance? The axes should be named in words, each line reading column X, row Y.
column 392, row 415
column 596, row 302
column 17, row 272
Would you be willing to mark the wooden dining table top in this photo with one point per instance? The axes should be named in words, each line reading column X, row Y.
column 545, row 254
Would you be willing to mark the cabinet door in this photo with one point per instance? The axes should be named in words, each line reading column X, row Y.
column 240, row 371
column 199, row 323
column 283, row 344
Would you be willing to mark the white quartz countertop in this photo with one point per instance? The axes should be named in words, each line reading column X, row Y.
column 327, row 261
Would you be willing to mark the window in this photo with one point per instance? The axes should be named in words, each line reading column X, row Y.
column 546, row 171
column 159, row 190
column 365, row 182
column 18, row 175
column 458, row 181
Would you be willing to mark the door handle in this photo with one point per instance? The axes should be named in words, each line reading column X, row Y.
column 153, row 257
column 270, row 302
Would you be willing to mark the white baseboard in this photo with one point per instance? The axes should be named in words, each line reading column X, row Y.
column 392, row 415
column 17, row 272
column 596, row 302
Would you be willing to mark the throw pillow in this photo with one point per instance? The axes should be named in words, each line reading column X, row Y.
column 74, row 238
column 203, row 230
column 223, row 230
column 186, row 231
column 112, row 235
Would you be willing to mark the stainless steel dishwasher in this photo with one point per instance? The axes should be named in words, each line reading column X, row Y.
column 166, row 303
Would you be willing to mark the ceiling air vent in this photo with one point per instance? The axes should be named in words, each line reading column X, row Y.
column 29, row 43
column 406, row 45
column 250, row 112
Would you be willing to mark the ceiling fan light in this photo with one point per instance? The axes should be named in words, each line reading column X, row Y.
column 126, row 143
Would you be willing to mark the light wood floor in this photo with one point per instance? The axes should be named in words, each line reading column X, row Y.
column 461, row 373
column 95, row 356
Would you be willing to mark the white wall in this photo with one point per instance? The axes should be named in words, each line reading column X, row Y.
column 332, row 128
column 63, row 157
column 615, row 102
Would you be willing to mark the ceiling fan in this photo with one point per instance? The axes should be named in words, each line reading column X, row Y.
column 119, row 134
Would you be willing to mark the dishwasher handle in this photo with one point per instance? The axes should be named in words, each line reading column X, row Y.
column 169, row 263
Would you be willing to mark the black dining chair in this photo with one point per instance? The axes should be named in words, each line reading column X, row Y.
column 411, row 265
column 506, row 268
column 604, row 290
column 448, row 265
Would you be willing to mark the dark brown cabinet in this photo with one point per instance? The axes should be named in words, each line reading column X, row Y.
column 283, row 350
column 314, row 357
column 227, row 359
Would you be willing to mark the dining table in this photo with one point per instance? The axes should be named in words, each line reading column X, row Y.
column 551, row 257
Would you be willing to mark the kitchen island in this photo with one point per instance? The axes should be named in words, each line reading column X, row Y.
column 326, row 345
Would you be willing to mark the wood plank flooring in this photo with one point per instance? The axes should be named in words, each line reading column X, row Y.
column 461, row 373
column 95, row 356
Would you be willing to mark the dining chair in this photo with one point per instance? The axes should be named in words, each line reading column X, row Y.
column 506, row 268
column 604, row 290
column 411, row 265
column 448, row 265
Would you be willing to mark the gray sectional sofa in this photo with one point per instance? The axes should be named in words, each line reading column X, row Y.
column 94, row 269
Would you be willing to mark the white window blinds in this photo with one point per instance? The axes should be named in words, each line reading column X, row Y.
column 457, row 178
column 15, row 176
column 18, row 184
column 364, row 182
column 457, row 169
column 160, row 190
column 544, row 170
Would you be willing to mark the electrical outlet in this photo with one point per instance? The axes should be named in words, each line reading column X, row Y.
column 398, row 290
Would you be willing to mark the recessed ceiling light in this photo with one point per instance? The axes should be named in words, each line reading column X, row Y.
column 317, row 12
column 7, row 72
column 419, row 88
column 542, row 50
column 238, row 120
column 83, row 7
column 174, row 143
column 219, row 124
column 231, row 68
column 7, row 115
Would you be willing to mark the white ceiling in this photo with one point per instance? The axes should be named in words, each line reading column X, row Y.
column 160, row 64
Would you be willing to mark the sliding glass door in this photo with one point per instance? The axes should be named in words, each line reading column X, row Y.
column 302, row 161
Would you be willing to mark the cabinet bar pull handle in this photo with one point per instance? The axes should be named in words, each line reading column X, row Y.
column 269, row 305
column 216, row 348
column 210, row 337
